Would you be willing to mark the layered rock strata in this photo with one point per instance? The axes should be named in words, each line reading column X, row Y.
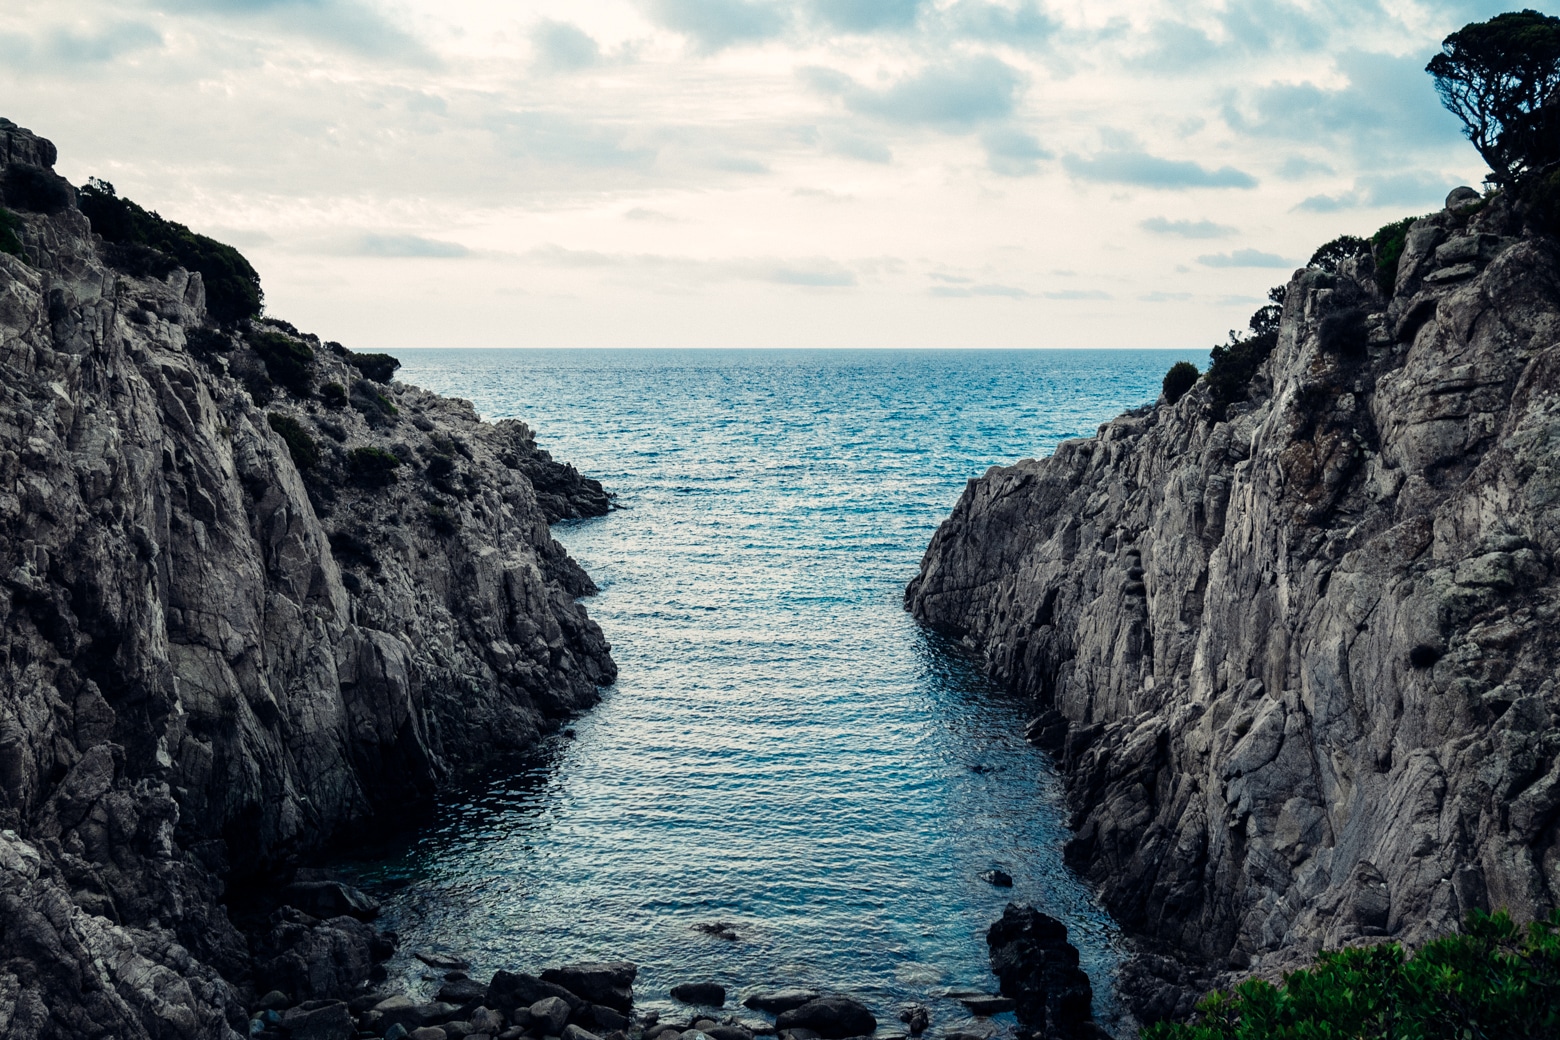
column 1298, row 659
column 231, row 632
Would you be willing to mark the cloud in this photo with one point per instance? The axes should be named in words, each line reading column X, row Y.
column 1385, row 109
column 867, row 15
column 74, row 46
column 1150, row 171
column 1243, row 258
column 1025, row 24
column 801, row 272
column 1165, row 297
column 1079, row 294
column 562, row 47
column 1297, row 167
column 552, row 139
column 956, row 96
column 854, row 146
column 641, row 213
column 717, row 24
column 346, row 24
column 404, row 246
column 1186, row 228
column 967, row 291
column 1409, row 189
column 1013, row 153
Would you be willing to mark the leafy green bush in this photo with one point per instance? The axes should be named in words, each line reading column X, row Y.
column 1232, row 365
column 374, row 406
column 305, row 453
column 1387, row 246
column 442, row 520
column 334, row 395
column 10, row 233
column 378, row 367
column 143, row 243
column 1331, row 256
column 1543, row 201
column 287, row 361
column 1344, row 332
column 34, row 189
column 1181, row 378
column 1492, row 980
column 372, row 467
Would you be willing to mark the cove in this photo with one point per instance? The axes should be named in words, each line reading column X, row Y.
column 785, row 751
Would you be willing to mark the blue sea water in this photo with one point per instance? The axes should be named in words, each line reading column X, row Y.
column 785, row 749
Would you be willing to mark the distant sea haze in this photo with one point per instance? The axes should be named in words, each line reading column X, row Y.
column 784, row 750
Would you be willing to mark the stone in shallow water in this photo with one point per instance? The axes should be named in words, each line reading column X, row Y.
column 549, row 1014
column 916, row 1017
column 600, row 982
column 710, row 993
column 776, row 1001
column 1000, row 878
column 834, row 1018
column 987, row 1004
column 442, row 961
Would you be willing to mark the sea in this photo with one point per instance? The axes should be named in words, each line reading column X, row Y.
column 792, row 783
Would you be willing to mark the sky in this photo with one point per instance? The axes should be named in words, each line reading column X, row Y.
column 754, row 173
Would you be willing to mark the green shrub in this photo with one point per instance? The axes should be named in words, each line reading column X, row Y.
column 1331, row 256
column 374, row 406
column 10, row 233
column 142, row 243
column 372, row 467
column 334, row 395
column 1543, row 203
column 287, row 361
column 378, row 367
column 34, row 189
column 1492, row 980
column 442, row 520
column 1232, row 365
column 1387, row 246
column 1344, row 332
column 305, row 453
column 1181, row 378
column 261, row 390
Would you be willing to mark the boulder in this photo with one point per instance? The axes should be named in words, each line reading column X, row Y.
column 985, row 1004
column 549, row 1014
column 319, row 1020
column 600, row 982
column 463, row 992
column 712, row 994
column 775, row 1001
column 330, row 899
column 916, row 1018
column 1038, row 969
column 510, row 990
column 486, row 1020
column 832, row 1017
column 428, row 1033
column 725, row 1032
column 573, row 1032
column 1000, row 878
column 600, row 1019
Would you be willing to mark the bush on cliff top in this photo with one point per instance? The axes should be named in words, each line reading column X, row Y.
column 148, row 243
column 372, row 467
column 1492, row 980
column 1234, row 363
column 1181, row 378
column 287, row 361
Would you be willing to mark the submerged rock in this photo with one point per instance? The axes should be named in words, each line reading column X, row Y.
column 776, row 1001
column 712, row 994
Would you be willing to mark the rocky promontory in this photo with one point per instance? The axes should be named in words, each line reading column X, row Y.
column 256, row 596
column 1297, row 650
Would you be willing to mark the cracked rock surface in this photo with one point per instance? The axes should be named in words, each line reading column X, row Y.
column 1299, row 665
column 215, row 659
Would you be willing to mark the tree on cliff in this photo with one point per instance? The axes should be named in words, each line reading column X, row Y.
column 1502, row 79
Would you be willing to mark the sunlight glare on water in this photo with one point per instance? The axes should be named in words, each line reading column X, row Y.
column 785, row 749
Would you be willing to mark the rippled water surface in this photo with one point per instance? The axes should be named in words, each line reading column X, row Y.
column 785, row 750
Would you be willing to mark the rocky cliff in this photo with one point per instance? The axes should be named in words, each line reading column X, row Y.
column 1298, row 658
column 250, row 600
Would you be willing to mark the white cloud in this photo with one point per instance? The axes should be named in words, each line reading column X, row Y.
column 623, row 172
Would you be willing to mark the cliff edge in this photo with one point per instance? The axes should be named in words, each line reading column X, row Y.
column 1298, row 658
column 251, row 599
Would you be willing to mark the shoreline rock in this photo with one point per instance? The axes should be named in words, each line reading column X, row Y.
column 1295, row 658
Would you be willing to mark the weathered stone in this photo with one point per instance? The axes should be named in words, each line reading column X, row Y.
column 330, row 899
column 319, row 1020
column 985, row 1004
column 600, row 982
column 1334, row 627
column 509, row 990
column 709, row 993
column 463, row 992
column 1038, row 969
column 832, row 1017
column 776, row 1001
column 549, row 1015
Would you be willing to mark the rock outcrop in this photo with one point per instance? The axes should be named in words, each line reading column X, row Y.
column 1299, row 660
column 232, row 632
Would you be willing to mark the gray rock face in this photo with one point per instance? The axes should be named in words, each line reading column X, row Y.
column 1300, row 665
column 214, row 658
